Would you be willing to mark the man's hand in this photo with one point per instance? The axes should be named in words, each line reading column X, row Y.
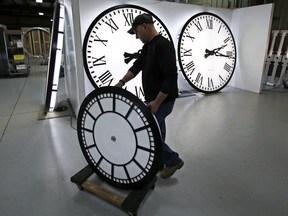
column 153, row 106
column 119, row 84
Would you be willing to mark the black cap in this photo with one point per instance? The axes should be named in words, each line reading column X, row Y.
column 140, row 19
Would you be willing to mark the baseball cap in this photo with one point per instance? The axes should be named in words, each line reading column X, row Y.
column 140, row 19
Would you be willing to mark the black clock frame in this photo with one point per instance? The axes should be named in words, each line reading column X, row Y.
column 99, row 17
column 151, row 168
column 179, row 53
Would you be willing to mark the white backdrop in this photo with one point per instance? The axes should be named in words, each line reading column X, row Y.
column 250, row 26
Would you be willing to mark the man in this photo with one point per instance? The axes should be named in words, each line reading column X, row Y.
column 157, row 62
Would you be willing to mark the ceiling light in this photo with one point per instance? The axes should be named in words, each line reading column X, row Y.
column 41, row 14
column 39, row 1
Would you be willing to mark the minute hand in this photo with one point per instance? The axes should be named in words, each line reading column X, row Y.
column 222, row 55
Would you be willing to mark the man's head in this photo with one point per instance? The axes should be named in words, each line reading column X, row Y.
column 143, row 28
column 139, row 20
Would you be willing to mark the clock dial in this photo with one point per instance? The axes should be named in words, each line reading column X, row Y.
column 207, row 52
column 119, row 137
column 109, row 51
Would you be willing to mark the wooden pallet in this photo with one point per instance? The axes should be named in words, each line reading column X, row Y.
column 129, row 204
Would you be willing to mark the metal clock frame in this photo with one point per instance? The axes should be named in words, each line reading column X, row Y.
column 189, row 69
column 111, row 120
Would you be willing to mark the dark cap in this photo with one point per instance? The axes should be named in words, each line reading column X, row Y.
column 140, row 19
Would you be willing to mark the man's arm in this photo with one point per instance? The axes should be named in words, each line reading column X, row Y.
column 155, row 104
column 127, row 77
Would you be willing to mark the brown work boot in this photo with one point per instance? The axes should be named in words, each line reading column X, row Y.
column 169, row 171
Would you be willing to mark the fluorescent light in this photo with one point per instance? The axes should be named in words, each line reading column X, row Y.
column 41, row 14
column 39, row 1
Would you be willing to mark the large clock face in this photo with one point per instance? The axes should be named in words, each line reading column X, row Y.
column 119, row 137
column 109, row 51
column 207, row 52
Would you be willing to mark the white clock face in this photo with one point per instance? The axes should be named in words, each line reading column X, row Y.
column 119, row 137
column 109, row 51
column 207, row 52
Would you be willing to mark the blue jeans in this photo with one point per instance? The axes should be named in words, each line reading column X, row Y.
column 169, row 157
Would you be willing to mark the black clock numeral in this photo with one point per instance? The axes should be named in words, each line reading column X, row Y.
column 112, row 24
column 219, row 29
column 129, row 17
column 97, row 39
column 127, row 174
column 189, row 36
column 139, row 165
column 139, row 91
column 99, row 161
column 106, row 77
column 221, row 79
column 90, row 114
column 112, row 171
column 198, row 25
column 230, row 54
column 227, row 67
column 227, row 39
column 209, row 23
column 199, row 79
column 100, row 104
column 145, row 149
column 114, row 103
column 187, row 52
column 90, row 146
column 190, row 68
column 98, row 61
column 129, row 112
column 210, row 83
column 141, row 128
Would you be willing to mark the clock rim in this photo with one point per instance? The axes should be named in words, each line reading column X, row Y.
column 179, row 53
column 97, row 18
column 150, row 175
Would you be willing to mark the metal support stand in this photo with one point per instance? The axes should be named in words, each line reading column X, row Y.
column 129, row 204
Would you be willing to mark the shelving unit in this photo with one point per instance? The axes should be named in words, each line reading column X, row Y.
column 4, row 64
column 17, row 56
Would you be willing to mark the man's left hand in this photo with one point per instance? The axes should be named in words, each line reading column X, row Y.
column 153, row 106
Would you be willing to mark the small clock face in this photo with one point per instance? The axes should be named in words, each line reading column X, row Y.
column 119, row 137
column 207, row 52
column 109, row 51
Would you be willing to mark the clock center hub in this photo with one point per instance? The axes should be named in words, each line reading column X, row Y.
column 115, row 138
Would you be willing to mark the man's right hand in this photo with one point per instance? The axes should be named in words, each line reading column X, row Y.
column 119, row 84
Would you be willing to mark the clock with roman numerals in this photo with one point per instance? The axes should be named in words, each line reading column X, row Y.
column 108, row 49
column 207, row 52
column 119, row 137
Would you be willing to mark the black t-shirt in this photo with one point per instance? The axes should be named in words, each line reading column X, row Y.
column 159, row 72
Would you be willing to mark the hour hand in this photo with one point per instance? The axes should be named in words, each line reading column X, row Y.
column 208, row 53
column 130, row 56
column 214, row 51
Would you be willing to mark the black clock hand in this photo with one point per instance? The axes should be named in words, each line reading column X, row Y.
column 208, row 53
column 219, row 48
column 222, row 55
column 128, row 56
column 214, row 51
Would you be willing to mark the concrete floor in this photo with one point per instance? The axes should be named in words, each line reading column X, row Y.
column 234, row 144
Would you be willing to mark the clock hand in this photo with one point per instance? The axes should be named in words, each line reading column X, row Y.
column 128, row 56
column 208, row 53
column 222, row 55
column 219, row 48
column 214, row 51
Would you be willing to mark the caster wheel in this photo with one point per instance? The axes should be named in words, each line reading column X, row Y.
column 80, row 187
